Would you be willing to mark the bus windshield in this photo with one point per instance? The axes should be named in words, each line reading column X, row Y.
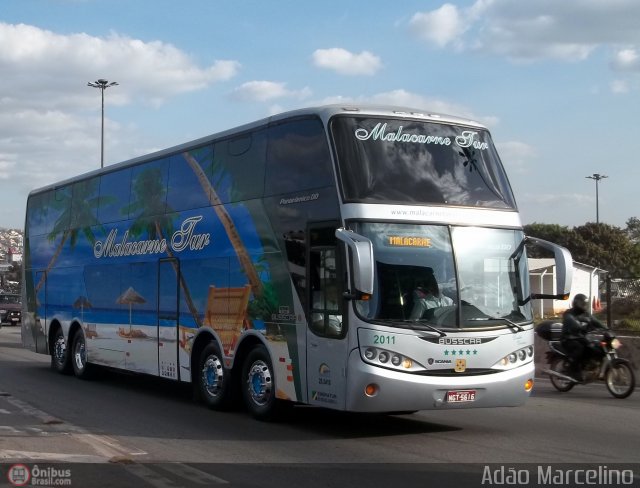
column 446, row 276
column 415, row 162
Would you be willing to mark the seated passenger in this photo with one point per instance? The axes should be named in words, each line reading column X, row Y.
column 427, row 296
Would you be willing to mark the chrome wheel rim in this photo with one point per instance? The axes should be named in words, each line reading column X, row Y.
column 212, row 375
column 260, row 383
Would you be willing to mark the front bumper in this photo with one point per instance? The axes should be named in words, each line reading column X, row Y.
column 399, row 391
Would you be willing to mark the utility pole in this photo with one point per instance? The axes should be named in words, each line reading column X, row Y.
column 102, row 85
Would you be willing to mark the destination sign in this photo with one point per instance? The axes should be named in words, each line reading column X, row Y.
column 408, row 241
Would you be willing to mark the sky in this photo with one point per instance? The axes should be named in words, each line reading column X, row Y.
column 556, row 82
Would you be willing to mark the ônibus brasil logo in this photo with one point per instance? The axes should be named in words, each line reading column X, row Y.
column 19, row 475
column 22, row 475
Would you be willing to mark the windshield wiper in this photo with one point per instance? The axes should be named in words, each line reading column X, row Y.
column 510, row 323
column 414, row 324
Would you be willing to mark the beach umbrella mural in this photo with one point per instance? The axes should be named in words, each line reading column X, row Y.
column 130, row 297
column 82, row 302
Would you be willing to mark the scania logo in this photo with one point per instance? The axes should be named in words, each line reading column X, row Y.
column 432, row 361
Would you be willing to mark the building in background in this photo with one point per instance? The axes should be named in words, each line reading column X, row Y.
column 586, row 280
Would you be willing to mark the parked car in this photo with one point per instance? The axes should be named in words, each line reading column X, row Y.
column 10, row 309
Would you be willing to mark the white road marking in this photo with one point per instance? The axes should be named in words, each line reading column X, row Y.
column 6, row 454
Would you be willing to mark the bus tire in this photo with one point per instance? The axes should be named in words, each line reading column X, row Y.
column 60, row 357
column 81, row 368
column 258, row 384
column 214, row 380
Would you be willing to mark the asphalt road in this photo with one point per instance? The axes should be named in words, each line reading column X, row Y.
column 122, row 430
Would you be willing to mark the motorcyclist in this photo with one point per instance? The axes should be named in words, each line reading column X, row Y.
column 576, row 323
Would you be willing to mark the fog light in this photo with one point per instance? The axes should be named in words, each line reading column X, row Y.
column 371, row 389
column 528, row 386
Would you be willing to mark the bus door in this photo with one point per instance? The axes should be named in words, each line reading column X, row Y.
column 327, row 345
column 168, row 317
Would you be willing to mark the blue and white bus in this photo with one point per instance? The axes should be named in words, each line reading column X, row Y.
column 356, row 258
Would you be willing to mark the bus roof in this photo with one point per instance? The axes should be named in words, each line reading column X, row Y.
column 324, row 112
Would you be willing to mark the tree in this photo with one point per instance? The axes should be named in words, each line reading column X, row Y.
column 607, row 247
column 558, row 234
column 601, row 245
column 633, row 229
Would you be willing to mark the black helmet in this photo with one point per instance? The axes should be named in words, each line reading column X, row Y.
column 580, row 302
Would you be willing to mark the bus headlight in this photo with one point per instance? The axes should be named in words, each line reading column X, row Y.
column 392, row 360
column 516, row 358
column 370, row 353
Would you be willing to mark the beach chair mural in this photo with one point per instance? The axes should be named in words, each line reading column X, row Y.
column 227, row 314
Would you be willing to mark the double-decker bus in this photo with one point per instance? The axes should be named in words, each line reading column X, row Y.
column 356, row 258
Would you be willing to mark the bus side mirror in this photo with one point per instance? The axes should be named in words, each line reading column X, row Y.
column 362, row 257
column 564, row 269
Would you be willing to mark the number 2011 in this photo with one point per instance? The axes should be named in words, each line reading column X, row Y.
column 384, row 339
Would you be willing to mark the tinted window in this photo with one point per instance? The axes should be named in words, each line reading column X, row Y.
column 114, row 196
column 49, row 212
column 148, row 189
column 239, row 165
column 415, row 162
column 298, row 157
column 37, row 223
column 84, row 208
column 185, row 190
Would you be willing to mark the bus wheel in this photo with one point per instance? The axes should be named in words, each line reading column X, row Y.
column 258, row 388
column 60, row 359
column 213, row 378
column 81, row 368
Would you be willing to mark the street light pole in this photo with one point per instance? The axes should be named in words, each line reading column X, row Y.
column 597, row 177
column 102, row 85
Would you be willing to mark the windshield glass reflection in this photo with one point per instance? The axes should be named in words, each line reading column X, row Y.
column 445, row 277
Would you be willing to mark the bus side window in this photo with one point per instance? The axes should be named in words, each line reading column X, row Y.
column 298, row 158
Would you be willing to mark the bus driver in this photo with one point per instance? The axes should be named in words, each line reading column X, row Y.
column 427, row 296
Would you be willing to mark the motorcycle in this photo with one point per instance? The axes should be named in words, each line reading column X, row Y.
column 615, row 371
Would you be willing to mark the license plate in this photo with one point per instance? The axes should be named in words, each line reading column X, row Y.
column 461, row 396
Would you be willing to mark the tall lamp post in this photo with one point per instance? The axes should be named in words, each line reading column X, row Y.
column 597, row 177
column 102, row 85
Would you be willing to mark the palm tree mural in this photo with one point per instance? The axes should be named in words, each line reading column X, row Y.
column 78, row 214
column 154, row 220
column 232, row 232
